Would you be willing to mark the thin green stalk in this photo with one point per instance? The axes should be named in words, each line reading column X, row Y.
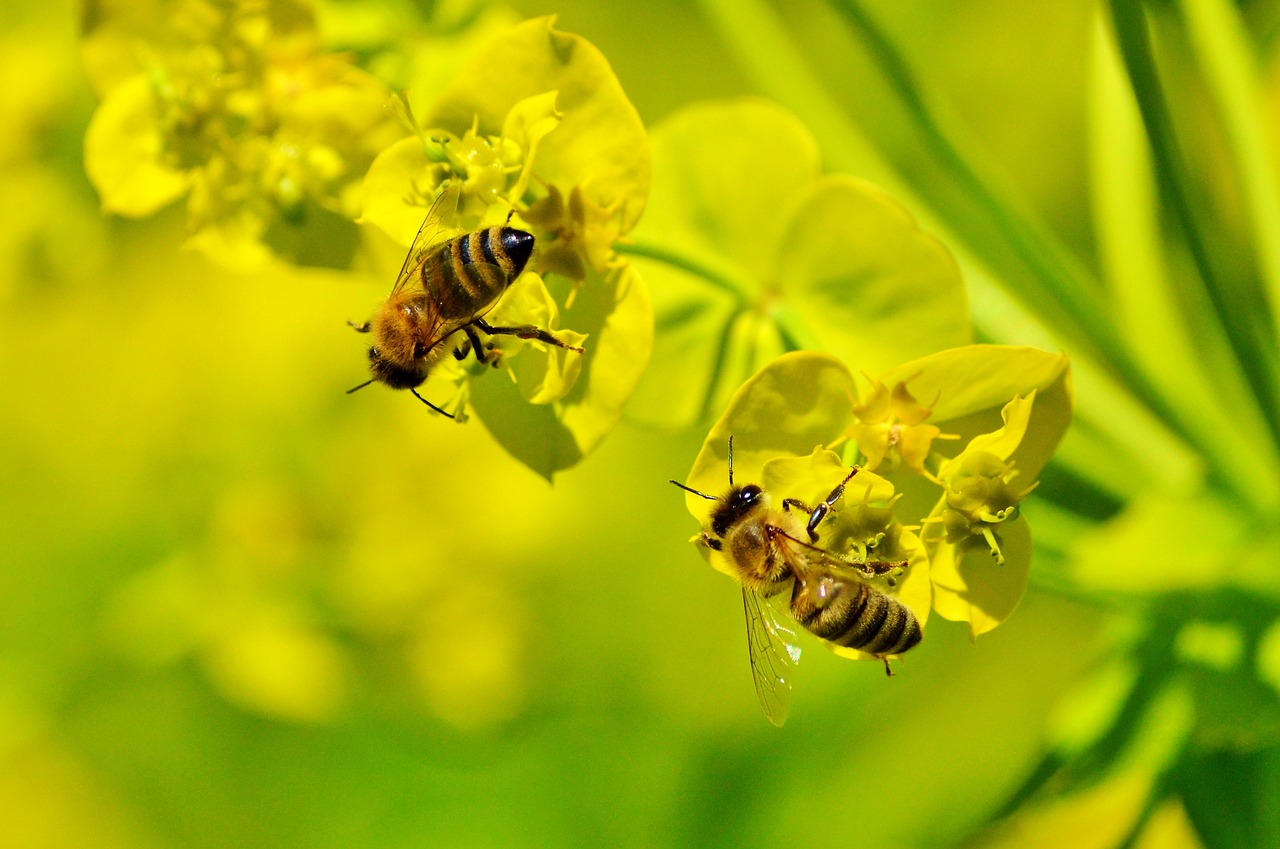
column 767, row 52
column 1187, row 357
column 1060, row 284
column 1064, row 285
column 1231, row 312
column 717, row 365
column 1222, row 49
column 686, row 263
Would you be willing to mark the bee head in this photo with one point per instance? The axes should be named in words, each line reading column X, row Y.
column 739, row 501
column 393, row 375
column 518, row 246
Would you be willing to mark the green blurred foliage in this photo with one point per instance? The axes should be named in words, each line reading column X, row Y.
column 240, row 608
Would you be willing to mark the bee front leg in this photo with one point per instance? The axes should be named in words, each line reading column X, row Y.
column 820, row 512
column 460, row 352
column 525, row 331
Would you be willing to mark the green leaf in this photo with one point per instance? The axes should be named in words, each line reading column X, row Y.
column 124, row 153
column 1221, row 42
column 1166, row 541
column 1232, row 798
column 723, row 173
column 1098, row 817
column 692, row 372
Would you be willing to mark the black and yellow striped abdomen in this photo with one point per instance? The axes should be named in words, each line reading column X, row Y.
column 857, row 616
column 464, row 276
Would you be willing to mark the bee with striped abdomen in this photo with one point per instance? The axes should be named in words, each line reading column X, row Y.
column 445, row 287
column 775, row 556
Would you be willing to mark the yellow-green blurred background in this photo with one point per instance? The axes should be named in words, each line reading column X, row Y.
column 240, row 608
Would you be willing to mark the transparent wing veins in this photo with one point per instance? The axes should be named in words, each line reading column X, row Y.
column 772, row 650
column 436, row 226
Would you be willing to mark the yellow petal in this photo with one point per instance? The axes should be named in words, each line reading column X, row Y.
column 124, row 150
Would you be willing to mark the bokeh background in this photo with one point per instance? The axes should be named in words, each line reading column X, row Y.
column 240, row 608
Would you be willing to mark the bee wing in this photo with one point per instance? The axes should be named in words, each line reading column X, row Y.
column 772, row 649
column 436, row 227
column 808, row 561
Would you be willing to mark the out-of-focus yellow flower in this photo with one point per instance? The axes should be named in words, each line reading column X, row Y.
column 239, row 607
column 239, row 110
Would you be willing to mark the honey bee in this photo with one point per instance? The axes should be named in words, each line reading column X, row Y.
column 826, row 594
column 445, row 287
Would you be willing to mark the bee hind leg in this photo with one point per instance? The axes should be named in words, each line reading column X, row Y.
column 888, row 670
column 525, row 331
column 362, row 327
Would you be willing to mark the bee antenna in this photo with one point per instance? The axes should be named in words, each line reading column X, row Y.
column 695, row 492
column 730, row 459
column 361, row 386
column 425, row 401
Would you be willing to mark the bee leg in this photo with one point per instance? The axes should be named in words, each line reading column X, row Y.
column 887, row 670
column 460, row 352
column 525, row 331
column 820, row 512
column 485, row 354
column 710, row 542
column 362, row 327
column 796, row 504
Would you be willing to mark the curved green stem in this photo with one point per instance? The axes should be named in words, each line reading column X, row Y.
column 685, row 263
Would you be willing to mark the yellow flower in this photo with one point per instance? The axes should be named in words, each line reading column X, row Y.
column 537, row 126
column 267, row 135
column 891, row 425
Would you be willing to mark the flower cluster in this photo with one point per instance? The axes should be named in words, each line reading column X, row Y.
column 891, row 427
column 928, row 509
column 536, row 131
column 241, row 112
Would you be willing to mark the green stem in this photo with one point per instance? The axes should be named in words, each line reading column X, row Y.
column 1222, row 48
column 717, row 365
column 721, row 280
column 1254, row 357
column 1057, row 288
